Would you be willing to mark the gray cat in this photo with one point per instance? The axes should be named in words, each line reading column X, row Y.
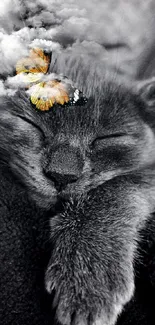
column 97, row 160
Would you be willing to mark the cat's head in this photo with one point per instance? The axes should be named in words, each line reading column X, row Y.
column 71, row 149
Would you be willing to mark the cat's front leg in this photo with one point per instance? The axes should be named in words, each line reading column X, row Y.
column 91, row 266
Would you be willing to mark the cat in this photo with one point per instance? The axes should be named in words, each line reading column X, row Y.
column 93, row 164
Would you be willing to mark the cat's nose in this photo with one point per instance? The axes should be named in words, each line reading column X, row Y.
column 65, row 166
column 60, row 181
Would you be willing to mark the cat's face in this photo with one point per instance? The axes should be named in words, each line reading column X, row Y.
column 69, row 150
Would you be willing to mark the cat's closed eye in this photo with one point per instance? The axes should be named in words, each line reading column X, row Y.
column 101, row 141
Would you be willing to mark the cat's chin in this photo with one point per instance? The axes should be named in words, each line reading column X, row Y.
column 46, row 195
column 49, row 201
column 87, row 183
column 81, row 187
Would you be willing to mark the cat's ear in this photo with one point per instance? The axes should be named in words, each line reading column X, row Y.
column 146, row 90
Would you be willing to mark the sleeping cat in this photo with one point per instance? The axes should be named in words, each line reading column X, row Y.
column 93, row 164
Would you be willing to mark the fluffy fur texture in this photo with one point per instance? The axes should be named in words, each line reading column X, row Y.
column 98, row 160
column 89, row 169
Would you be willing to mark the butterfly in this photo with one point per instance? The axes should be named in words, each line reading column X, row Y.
column 38, row 61
column 44, row 94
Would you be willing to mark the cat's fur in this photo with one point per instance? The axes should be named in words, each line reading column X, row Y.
column 98, row 160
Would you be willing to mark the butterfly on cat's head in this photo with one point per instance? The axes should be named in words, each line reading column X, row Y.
column 45, row 94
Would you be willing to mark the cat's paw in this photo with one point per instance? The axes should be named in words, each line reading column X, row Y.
column 90, row 271
column 91, row 281
column 87, row 298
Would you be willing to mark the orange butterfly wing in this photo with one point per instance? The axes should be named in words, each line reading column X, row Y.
column 41, row 58
column 45, row 94
column 37, row 62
